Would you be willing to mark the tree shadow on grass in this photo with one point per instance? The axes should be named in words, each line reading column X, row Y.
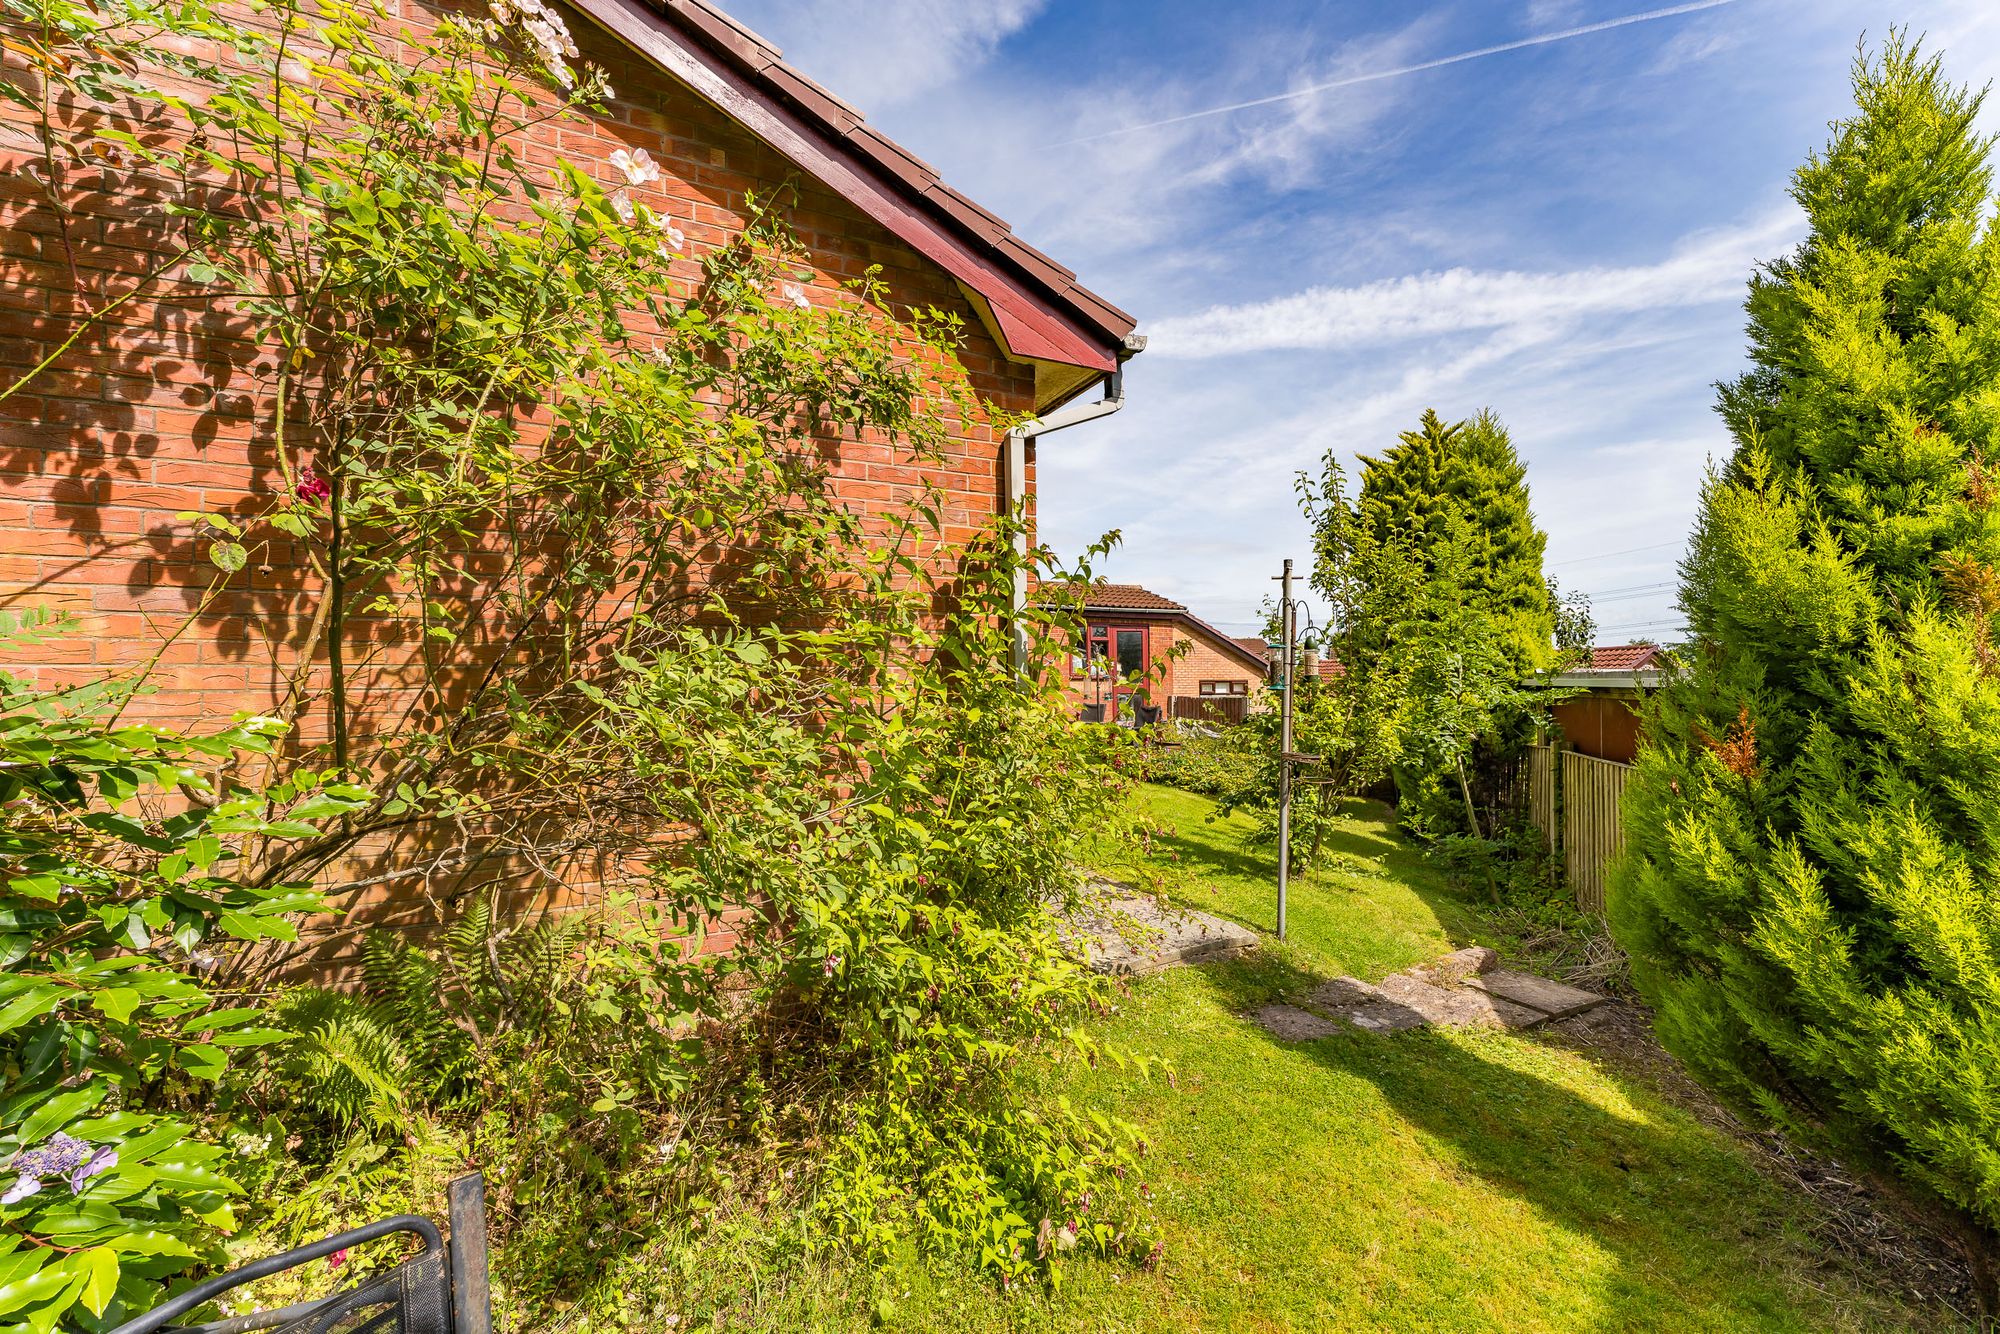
column 1696, row 1238
column 1371, row 905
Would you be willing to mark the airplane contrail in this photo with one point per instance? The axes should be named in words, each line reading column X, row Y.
column 1542, row 39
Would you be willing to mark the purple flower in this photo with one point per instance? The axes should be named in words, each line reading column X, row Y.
column 337, row 1259
column 97, row 1164
column 312, row 486
column 60, row 1156
column 832, row 965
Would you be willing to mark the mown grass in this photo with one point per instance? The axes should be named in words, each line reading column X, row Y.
column 1418, row 1181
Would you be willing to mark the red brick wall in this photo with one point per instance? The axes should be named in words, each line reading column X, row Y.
column 1202, row 659
column 167, row 410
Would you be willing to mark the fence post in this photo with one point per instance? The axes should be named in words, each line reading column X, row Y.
column 471, row 1299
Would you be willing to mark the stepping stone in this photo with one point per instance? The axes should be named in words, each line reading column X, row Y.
column 1554, row 999
column 1457, row 968
column 1355, row 1002
column 1129, row 934
column 1466, row 1008
column 1289, row 1023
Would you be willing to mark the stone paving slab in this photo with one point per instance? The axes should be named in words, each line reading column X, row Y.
column 1463, row 989
column 1355, row 1002
column 1129, row 934
column 1289, row 1023
column 1457, row 968
column 1554, row 999
column 1463, row 1007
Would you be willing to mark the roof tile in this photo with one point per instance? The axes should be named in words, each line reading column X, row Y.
column 726, row 33
column 1624, row 657
column 764, row 61
column 812, row 98
column 1128, row 597
column 987, row 226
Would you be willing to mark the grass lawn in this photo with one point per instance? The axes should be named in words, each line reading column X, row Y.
column 1417, row 1181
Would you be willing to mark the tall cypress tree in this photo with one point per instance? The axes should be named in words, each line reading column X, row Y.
column 1468, row 469
column 1811, row 892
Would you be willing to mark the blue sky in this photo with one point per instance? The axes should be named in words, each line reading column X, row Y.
column 1559, row 232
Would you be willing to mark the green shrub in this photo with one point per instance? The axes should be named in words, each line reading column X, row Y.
column 697, row 668
column 1208, row 765
column 1812, row 839
column 133, row 859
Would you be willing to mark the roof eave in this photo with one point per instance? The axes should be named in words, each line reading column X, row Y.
column 1030, row 303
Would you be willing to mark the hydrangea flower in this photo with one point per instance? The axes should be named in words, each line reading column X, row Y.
column 59, row 1156
column 638, row 168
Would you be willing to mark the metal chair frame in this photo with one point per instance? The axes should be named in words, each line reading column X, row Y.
column 467, row 1299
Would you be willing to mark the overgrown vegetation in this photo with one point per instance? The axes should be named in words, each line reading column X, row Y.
column 1443, row 626
column 563, row 602
column 128, row 855
column 1812, row 841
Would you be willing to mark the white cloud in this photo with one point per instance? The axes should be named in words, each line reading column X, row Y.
column 1705, row 268
column 879, row 53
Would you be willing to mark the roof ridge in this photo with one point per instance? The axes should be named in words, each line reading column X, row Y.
column 765, row 61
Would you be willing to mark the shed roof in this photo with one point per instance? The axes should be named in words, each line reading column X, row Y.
column 1034, row 306
column 1624, row 657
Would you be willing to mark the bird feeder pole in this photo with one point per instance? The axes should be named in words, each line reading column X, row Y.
column 1288, row 663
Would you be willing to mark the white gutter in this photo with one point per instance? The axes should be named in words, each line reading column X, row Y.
column 1015, row 454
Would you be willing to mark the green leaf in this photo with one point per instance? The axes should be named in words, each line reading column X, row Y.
column 100, row 1268
column 36, row 1001
column 59, row 1111
column 202, row 1061
column 39, row 1286
column 116, row 1003
column 229, row 557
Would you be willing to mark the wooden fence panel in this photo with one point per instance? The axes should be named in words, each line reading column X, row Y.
column 1542, row 793
column 1592, row 835
column 1227, row 710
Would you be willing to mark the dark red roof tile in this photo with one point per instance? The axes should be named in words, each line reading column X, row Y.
column 1624, row 657
column 986, row 226
column 812, row 98
column 764, row 62
column 1128, row 597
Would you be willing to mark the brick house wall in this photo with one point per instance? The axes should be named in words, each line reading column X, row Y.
column 1180, row 652
column 166, row 409
column 1204, row 661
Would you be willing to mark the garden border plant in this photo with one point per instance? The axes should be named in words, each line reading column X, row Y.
column 523, row 440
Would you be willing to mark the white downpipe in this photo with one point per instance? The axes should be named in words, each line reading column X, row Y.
column 1015, row 450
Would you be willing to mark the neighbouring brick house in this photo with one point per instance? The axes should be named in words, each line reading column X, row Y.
column 158, row 411
column 1142, row 649
column 1603, row 721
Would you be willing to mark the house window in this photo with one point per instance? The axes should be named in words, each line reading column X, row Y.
column 1225, row 687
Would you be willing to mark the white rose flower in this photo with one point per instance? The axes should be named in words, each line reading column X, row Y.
column 639, row 167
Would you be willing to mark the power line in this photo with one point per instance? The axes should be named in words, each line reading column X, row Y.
column 1607, row 555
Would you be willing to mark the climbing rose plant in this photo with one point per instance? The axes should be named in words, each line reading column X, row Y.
column 563, row 577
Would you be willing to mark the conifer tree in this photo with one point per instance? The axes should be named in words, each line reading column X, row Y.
column 1468, row 469
column 1811, row 891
